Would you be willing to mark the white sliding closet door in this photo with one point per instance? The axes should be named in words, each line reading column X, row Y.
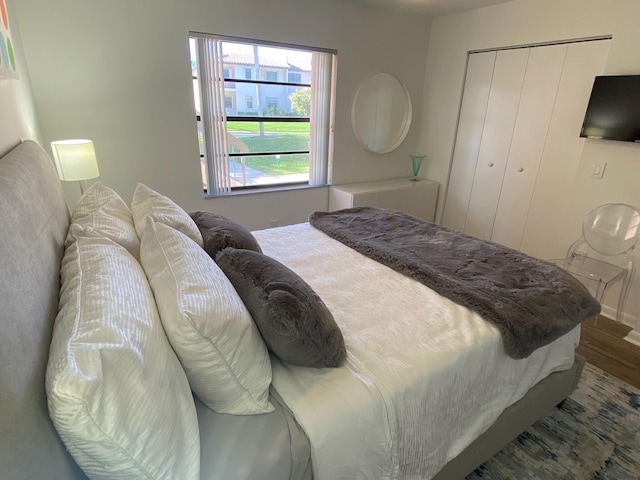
column 541, row 81
column 504, row 100
column 562, row 150
column 517, row 138
column 472, row 114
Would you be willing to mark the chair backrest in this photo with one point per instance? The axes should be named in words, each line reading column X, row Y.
column 612, row 229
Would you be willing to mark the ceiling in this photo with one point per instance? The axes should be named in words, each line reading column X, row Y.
column 436, row 7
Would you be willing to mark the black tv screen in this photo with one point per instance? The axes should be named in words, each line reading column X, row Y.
column 613, row 112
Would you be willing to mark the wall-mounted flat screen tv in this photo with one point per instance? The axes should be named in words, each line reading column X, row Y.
column 613, row 112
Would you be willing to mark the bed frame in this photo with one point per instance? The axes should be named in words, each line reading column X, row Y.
column 35, row 219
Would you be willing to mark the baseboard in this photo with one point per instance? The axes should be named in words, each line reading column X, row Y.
column 633, row 337
column 627, row 319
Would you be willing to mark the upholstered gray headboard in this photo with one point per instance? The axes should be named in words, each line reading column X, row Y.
column 34, row 220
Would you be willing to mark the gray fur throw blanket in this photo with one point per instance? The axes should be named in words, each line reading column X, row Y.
column 532, row 302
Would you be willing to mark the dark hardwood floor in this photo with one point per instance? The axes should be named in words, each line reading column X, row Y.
column 604, row 346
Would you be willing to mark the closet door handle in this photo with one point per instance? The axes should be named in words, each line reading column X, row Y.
column 491, row 164
column 520, row 170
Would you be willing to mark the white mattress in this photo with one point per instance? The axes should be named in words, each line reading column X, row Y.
column 423, row 378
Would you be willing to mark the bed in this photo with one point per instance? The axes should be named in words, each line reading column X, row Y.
column 325, row 422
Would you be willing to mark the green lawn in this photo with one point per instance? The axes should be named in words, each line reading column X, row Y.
column 286, row 165
column 269, row 127
column 290, row 141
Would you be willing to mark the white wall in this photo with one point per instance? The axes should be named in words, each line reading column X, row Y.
column 119, row 74
column 17, row 114
column 552, row 225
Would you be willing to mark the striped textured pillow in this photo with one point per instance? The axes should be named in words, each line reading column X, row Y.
column 117, row 394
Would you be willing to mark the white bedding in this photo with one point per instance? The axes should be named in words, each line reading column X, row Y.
column 424, row 377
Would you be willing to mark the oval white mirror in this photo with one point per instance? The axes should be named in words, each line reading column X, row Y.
column 381, row 113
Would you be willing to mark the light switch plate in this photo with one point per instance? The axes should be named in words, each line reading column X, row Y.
column 597, row 170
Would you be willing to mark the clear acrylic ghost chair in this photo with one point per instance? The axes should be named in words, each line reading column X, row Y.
column 603, row 255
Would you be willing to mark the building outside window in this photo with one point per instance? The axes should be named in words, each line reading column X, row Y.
column 284, row 137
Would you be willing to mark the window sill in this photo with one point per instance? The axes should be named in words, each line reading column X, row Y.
column 251, row 191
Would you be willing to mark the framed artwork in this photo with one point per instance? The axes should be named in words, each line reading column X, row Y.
column 7, row 56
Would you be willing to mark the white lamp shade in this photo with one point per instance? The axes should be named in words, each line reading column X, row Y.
column 75, row 159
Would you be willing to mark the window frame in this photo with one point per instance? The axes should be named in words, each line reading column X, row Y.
column 327, row 116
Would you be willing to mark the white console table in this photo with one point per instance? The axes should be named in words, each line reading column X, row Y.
column 416, row 198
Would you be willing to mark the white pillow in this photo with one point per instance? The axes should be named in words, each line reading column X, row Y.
column 117, row 394
column 207, row 324
column 149, row 203
column 101, row 212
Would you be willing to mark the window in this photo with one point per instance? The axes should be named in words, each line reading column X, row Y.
column 225, row 73
column 272, row 103
column 285, row 135
column 271, row 76
column 228, row 101
column 295, row 77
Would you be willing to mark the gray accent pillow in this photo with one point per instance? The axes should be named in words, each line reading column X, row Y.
column 219, row 232
column 294, row 322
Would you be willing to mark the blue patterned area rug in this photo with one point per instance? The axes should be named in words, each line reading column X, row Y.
column 594, row 434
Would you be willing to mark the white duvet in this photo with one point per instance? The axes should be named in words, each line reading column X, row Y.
column 423, row 378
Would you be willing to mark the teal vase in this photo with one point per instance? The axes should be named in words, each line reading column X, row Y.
column 416, row 163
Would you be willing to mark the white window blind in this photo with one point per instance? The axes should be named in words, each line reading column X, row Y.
column 321, row 141
column 214, row 117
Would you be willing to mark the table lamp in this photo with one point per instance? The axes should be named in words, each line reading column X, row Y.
column 75, row 160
